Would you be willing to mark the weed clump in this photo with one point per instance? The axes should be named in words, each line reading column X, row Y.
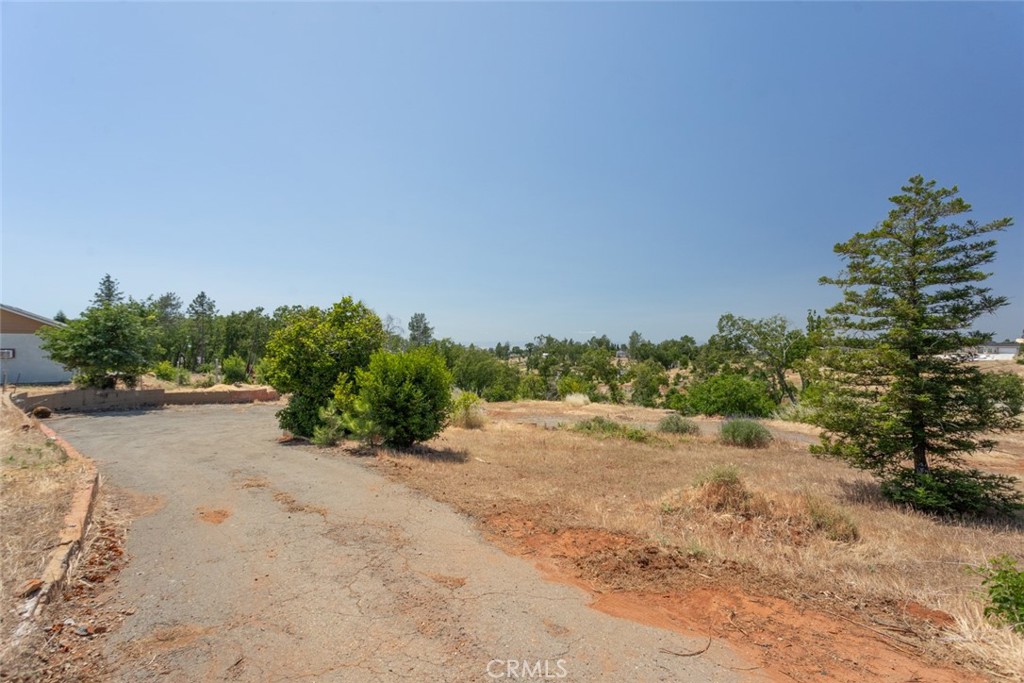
column 467, row 412
column 831, row 520
column 745, row 433
column 677, row 424
column 604, row 428
column 1005, row 584
column 577, row 400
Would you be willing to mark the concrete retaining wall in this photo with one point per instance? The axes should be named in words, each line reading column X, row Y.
column 94, row 400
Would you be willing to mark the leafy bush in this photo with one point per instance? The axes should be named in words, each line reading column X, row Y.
column 466, row 411
column 183, row 377
column 952, row 491
column 316, row 347
column 648, row 379
column 729, row 394
column 331, row 429
column 1005, row 584
column 745, row 433
column 604, row 428
column 572, row 384
column 206, row 382
column 407, row 396
column 165, row 370
column 533, row 386
column 677, row 424
column 234, row 369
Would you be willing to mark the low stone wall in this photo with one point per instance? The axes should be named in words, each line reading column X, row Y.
column 95, row 400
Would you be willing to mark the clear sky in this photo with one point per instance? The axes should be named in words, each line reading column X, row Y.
column 508, row 169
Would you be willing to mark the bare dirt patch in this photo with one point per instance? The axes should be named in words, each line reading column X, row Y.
column 891, row 601
column 212, row 515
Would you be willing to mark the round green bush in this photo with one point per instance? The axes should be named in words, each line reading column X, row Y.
column 407, row 396
column 729, row 395
column 677, row 424
column 745, row 433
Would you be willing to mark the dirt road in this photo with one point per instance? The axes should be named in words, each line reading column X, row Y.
column 257, row 560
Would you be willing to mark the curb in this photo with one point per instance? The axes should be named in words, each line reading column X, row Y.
column 76, row 523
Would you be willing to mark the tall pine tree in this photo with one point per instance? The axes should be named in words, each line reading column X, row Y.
column 899, row 397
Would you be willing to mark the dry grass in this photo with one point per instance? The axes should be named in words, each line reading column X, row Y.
column 800, row 525
column 37, row 484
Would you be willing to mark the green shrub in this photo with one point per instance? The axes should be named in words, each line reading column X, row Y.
column 729, row 395
column 407, row 395
column 572, row 384
column 648, row 379
column 206, row 368
column 183, row 377
column 165, row 370
column 234, row 369
column 1005, row 584
column 604, row 428
column 467, row 412
column 745, row 433
column 722, row 474
column 675, row 400
column 260, row 371
column 951, row 491
column 331, row 429
column 677, row 424
column 533, row 386
column 206, row 382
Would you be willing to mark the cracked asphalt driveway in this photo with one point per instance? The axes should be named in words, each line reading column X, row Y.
column 269, row 562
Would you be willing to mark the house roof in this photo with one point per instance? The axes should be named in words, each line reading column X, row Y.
column 31, row 316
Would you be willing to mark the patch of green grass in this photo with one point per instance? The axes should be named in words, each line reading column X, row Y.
column 604, row 428
column 27, row 456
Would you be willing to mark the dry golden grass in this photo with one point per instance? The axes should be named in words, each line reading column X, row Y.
column 795, row 506
column 37, row 485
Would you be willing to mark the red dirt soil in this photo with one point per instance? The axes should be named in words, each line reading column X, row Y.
column 786, row 640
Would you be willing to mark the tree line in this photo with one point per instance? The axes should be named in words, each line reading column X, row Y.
column 884, row 371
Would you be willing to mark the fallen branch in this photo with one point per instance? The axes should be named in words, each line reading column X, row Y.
column 688, row 654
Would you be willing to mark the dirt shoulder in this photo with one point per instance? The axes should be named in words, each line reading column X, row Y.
column 626, row 522
column 38, row 484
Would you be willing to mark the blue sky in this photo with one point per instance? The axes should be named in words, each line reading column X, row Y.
column 508, row 169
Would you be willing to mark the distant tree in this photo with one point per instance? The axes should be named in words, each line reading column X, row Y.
column 393, row 331
column 202, row 320
column 420, row 331
column 109, row 342
column 169, row 321
column 648, row 379
column 635, row 341
column 315, row 351
column 729, row 395
column 899, row 398
column 60, row 317
column 501, row 351
column 108, row 292
column 769, row 345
